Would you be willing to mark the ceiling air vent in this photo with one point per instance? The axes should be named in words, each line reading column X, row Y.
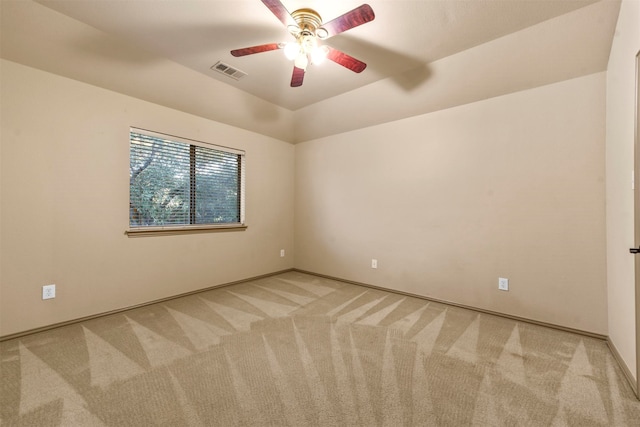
column 228, row 70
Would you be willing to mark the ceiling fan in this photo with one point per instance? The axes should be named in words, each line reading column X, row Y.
column 307, row 27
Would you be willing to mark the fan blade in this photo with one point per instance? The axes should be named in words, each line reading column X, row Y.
column 345, row 60
column 256, row 49
column 358, row 16
column 297, row 77
column 280, row 12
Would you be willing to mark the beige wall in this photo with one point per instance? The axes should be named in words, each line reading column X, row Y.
column 64, row 176
column 619, row 164
column 449, row 201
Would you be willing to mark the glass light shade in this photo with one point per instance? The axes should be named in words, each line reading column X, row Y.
column 319, row 54
column 301, row 61
column 307, row 43
column 291, row 50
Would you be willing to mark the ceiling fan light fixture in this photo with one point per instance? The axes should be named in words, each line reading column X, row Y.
column 291, row 50
column 319, row 54
column 305, row 50
column 301, row 61
column 307, row 27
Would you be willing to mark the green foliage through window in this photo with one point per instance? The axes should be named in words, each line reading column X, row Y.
column 175, row 183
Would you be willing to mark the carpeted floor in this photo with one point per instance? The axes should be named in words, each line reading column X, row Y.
column 299, row 350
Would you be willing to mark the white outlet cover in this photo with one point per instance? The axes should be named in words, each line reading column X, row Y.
column 374, row 263
column 48, row 291
column 281, row 252
column 503, row 284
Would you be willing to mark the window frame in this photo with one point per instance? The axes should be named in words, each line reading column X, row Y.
column 140, row 231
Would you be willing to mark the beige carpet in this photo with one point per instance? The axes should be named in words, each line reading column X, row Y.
column 298, row 350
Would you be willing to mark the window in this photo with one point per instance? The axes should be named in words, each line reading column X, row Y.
column 177, row 184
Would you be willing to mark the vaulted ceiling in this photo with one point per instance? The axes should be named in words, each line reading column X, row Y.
column 421, row 56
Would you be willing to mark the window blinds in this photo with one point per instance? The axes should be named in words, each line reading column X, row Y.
column 176, row 182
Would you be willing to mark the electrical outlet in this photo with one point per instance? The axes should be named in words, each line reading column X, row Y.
column 374, row 263
column 503, row 284
column 282, row 252
column 48, row 291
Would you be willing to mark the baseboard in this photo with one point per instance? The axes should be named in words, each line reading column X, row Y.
column 468, row 307
column 623, row 366
column 121, row 310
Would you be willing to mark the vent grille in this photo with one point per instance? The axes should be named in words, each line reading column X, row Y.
column 228, row 70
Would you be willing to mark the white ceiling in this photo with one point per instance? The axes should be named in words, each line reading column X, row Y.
column 406, row 43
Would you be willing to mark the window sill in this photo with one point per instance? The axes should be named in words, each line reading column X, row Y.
column 170, row 231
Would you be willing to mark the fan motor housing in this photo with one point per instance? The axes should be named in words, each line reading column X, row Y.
column 307, row 19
